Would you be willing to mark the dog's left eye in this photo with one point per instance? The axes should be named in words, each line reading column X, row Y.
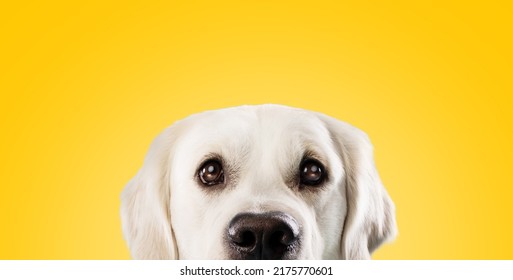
column 211, row 173
column 311, row 173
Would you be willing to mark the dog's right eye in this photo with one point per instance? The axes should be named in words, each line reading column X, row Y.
column 211, row 173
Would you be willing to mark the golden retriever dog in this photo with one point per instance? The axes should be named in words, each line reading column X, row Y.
column 257, row 182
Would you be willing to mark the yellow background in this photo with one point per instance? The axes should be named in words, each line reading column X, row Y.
column 85, row 87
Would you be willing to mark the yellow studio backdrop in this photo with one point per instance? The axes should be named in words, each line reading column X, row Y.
column 86, row 86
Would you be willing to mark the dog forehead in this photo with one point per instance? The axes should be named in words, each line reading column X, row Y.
column 260, row 122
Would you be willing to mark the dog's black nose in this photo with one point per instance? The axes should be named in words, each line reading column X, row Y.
column 266, row 236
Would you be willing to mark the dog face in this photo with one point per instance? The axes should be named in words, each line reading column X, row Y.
column 257, row 182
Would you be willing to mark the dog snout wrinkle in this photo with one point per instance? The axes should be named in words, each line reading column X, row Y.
column 268, row 236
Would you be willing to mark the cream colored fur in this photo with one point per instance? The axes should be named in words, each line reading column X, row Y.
column 167, row 214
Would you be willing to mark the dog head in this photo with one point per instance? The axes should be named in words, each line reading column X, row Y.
column 257, row 182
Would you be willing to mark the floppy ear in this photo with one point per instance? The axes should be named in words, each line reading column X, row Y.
column 145, row 211
column 370, row 216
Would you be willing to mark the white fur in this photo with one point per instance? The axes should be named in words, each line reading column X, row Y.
column 166, row 214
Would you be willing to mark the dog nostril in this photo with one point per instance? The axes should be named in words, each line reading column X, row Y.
column 247, row 239
column 243, row 238
column 279, row 238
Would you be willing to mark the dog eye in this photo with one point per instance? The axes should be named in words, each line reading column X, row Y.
column 311, row 173
column 211, row 173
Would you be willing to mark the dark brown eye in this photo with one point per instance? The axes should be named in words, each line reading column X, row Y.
column 311, row 172
column 211, row 173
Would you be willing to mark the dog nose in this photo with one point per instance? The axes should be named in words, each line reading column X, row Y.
column 266, row 236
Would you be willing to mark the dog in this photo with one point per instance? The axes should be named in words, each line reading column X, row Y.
column 257, row 182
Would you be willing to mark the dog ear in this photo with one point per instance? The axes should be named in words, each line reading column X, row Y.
column 370, row 216
column 145, row 211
